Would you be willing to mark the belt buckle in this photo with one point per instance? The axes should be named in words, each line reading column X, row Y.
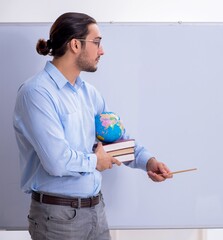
column 76, row 203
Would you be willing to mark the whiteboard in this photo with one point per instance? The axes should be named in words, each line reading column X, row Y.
column 165, row 82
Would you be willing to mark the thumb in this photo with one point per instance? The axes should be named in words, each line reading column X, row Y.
column 99, row 145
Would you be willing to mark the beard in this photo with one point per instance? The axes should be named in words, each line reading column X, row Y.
column 85, row 64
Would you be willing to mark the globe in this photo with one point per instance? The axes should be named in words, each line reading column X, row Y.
column 108, row 127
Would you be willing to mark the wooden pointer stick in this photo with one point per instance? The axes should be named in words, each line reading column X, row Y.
column 181, row 171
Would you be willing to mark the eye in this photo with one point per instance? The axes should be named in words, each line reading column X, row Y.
column 97, row 42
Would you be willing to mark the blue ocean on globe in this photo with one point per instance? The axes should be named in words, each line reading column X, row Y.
column 108, row 127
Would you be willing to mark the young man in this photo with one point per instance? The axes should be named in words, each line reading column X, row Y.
column 55, row 130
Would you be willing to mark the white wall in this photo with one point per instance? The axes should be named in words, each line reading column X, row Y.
column 115, row 10
column 178, row 234
column 120, row 11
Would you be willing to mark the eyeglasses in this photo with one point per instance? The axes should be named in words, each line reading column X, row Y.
column 96, row 41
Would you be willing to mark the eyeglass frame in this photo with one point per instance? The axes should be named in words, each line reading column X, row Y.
column 96, row 41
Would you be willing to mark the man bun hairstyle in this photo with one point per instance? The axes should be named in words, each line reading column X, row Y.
column 66, row 27
column 43, row 47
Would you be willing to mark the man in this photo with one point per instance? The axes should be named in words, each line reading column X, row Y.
column 55, row 130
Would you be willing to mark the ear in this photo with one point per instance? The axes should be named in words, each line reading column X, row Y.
column 75, row 45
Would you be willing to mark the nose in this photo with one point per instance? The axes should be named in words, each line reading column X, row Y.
column 101, row 50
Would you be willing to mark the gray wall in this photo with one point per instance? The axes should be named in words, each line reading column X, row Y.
column 165, row 82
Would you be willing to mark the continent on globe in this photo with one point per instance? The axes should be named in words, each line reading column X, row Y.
column 108, row 127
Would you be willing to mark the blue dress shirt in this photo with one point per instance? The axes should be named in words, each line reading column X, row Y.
column 55, row 132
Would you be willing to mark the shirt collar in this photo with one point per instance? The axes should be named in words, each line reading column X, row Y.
column 59, row 78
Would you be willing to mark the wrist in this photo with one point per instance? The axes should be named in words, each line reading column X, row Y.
column 150, row 162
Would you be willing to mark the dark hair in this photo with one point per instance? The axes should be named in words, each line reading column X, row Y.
column 68, row 26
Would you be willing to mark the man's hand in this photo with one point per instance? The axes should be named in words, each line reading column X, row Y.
column 157, row 171
column 104, row 160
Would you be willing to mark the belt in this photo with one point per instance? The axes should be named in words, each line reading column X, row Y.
column 72, row 202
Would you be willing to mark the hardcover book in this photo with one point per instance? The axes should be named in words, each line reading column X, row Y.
column 120, row 144
column 123, row 150
column 126, row 157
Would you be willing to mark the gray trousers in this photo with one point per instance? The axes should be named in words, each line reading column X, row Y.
column 54, row 222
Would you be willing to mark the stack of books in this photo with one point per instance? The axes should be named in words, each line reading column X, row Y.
column 123, row 150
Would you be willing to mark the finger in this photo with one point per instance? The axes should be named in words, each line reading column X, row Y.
column 162, row 168
column 167, row 175
column 165, row 172
column 156, row 177
column 116, row 161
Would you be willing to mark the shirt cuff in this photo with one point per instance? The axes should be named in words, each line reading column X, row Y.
column 142, row 160
column 92, row 162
